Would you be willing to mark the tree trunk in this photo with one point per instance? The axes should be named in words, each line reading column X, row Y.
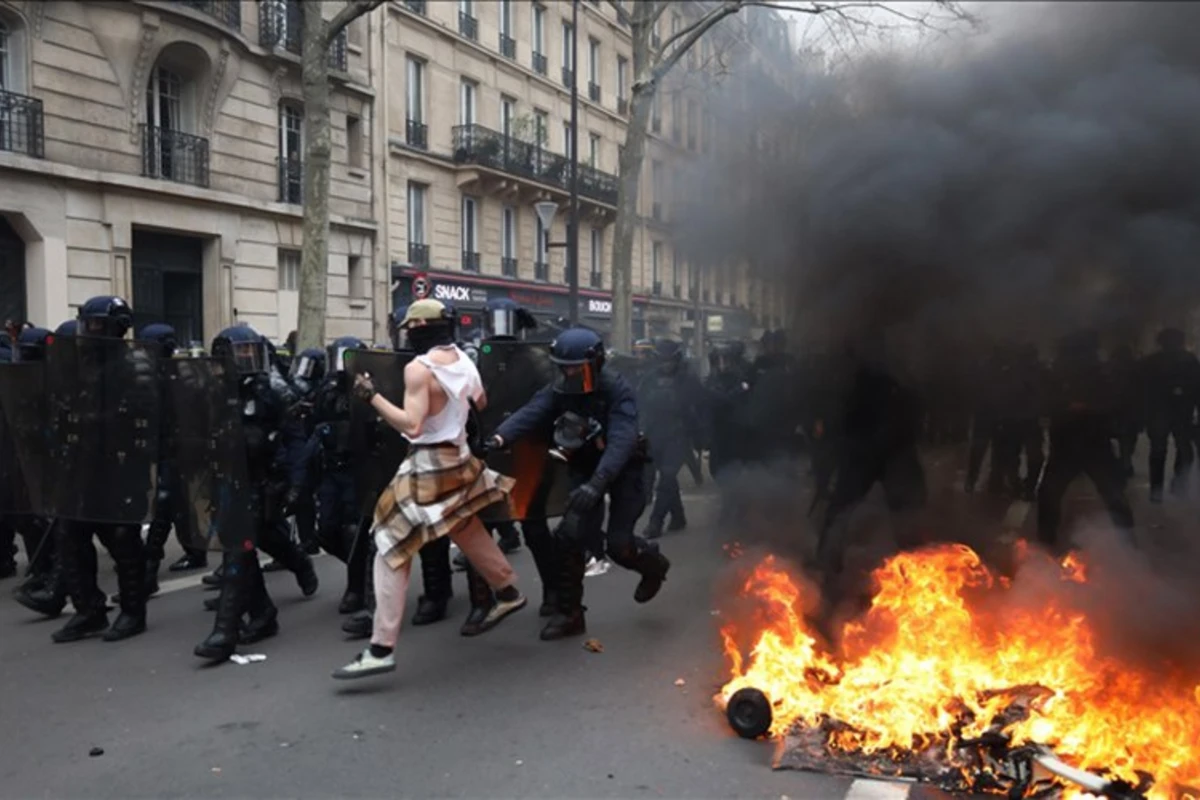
column 632, row 157
column 314, row 263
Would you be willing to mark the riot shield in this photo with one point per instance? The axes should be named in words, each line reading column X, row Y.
column 103, row 398
column 378, row 447
column 213, row 498
column 22, row 438
column 512, row 373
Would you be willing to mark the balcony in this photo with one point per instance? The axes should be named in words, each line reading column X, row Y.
column 596, row 280
column 291, row 181
column 475, row 144
column 416, row 134
column 508, row 267
column 539, row 63
column 174, row 156
column 418, row 254
column 281, row 25
column 468, row 26
column 415, row 6
column 568, row 77
column 508, row 46
column 541, row 271
column 227, row 12
column 594, row 91
column 470, row 261
column 21, row 125
column 623, row 106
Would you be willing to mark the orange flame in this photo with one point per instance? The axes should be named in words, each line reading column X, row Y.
column 922, row 655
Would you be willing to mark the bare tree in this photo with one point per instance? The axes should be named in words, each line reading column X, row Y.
column 653, row 60
column 318, row 34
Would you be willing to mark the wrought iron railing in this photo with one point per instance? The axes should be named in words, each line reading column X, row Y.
column 227, row 12
column 22, row 125
column 541, row 271
column 539, row 63
column 418, row 254
column 291, row 181
column 508, row 267
column 508, row 46
column 468, row 26
column 594, row 91
column 470, row 261
column 568, row 77
column 281, row 24
column 174, row 156
column 416, row 134
column 415, row 6
column 475, row 144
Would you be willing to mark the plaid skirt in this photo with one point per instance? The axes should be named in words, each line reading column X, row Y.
column 436, row 491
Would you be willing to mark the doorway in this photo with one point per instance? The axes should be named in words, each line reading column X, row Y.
column 168, row 283
column 12, row 274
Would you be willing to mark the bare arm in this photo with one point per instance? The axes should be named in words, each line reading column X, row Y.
column 408, row 420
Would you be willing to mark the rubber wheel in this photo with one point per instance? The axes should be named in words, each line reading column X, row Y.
column 749, row 713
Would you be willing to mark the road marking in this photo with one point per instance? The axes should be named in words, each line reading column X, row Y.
column 864, row 789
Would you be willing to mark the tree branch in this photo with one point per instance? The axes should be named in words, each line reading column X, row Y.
column 350, row 12
column 622, row 14
column 687, row 37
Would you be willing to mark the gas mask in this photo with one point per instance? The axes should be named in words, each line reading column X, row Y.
column 572, row 432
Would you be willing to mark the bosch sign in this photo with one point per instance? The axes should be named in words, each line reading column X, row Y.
column 599, row 306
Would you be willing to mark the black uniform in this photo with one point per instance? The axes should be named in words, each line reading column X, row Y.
column 670, row 399
column 1172, row 383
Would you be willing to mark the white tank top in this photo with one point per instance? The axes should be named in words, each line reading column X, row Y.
column 462, row 383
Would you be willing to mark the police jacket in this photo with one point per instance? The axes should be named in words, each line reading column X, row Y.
column 1082, row 402
column 262, row 418
column 613, row 404
column 1172, row 381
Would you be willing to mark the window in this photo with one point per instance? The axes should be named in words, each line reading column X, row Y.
column 567, row 139
column 466, row 7
column 539, row 30
column 354, row 141
column 6, row 59
column 655, row 260
column 539, row 244
column 508, row 233
column 676, row 116
column 508, row 111
column 594, row 150
column 622, row 77
column 355, row 277
column 506, row 18
column 597, row 257
column 470, row 233
column 675, row 272
column 692, row 133
column 416, row 90
column 466, row 113
column 289, row 270
column 541, row 127
column 656, row 178
column 656, row 112
column 291, row 129
column 594, row 60
column 567, row 38
column 163, row 106
column 416, row 212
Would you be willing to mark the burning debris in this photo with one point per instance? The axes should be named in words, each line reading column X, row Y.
column 948, row 679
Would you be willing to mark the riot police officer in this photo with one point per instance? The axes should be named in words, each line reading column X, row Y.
column 107, row 317
column 669, row 396
column 1172, row 378
column 307, row 373
column 594, row 416
column 243, row 590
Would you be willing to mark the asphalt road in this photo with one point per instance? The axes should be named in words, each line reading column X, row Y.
column 503, row 715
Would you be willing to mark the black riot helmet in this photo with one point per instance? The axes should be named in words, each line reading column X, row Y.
column 669, row 355
column 107, row 315
column 579, row 355
column 245, row 347
column 309, row 365
column 335, row 359
column 32, row 344
column 504, row 318
column 68, row 328
column 161, row 333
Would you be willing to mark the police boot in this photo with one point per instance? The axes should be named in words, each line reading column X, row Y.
column 46, row 594
column 542, row 550
column 299, row 563
column 216, row 578
column 222, row 642
column 192, row 559
column 263, row 622
column 152, row 566
column 79, row 568
column 568, row 611
column 482, row 601
column 131, row 578
column 652, row 566
column 354, row 599
column 435, row 577
column 360, row 625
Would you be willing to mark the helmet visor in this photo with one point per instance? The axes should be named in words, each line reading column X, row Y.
column 304, row 367
column 502, row 322
column 249, row 357
column 337, row 358
column 94, row 326
column 575, row 378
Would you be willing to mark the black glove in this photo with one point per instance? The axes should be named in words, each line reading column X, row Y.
column 364, row 388
column 568, row 529
column 491, row 443
column 585, row 497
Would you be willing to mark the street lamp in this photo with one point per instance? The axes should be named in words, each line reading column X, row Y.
column 546, row 210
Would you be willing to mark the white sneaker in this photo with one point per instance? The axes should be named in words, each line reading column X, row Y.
column 597, row 567
column 365, row 665
column 502, row 609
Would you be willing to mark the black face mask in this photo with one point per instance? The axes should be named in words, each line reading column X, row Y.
column 424, row 338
